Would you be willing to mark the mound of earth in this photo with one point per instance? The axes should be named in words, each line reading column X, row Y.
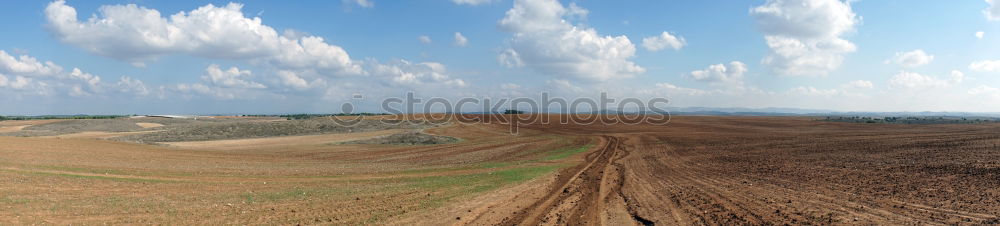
column 407, row 138
column 258, row 129
column 96, row 125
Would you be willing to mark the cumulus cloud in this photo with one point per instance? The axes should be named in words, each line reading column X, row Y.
column 911, row 59
column 805, row 36
column 720, row 73
column 663, row 41
column 510, row 58
column 471, row 2
column 26, row 65
column 203, row 90
column 980, row 34
column 137, row 34
column 33, row 76
column 859, row 84
column 673, row 89
column 232, row 77
column 20, row 82
column 910, row 80
column 460, row 39
column 544, row 40
column 290, row 59
column 985, row 66
column 993, row 11
column 408, row 73
column 290, row 79
column 129, row 85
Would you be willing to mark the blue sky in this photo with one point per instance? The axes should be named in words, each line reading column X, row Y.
column 135, row 57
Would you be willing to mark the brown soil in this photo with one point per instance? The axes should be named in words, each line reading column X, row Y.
column 283, row 180
column 775, row 170
column 693, row 171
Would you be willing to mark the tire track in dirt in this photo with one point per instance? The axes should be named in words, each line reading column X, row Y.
column 658, row 185
column 586, row 195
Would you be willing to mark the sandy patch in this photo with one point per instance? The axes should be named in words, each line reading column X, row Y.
column 271, row 142
column 148, row 125
column 7, row 129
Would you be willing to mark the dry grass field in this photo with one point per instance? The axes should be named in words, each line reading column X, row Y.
column 281, row 180
column 696, row 170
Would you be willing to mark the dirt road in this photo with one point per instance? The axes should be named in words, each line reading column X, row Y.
column 585, row 196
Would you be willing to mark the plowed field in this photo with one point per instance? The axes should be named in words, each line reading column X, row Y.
column 696, row 170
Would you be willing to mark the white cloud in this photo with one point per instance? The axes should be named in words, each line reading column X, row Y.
column 993, row 11
column 673, row 89
column 362, row 3
column 128, row 85
column 985, row 66
column 805, row 36
column 424, row 39
column 859, row 84
column 565, row 86
column 20, row 82
column 90, row 79
column 910, row 80
column 232, row 77
column 290, row 79
column 510, row 58
column 292, row 60
column 26, row 65
column 460, row 39
column 77, row 91
column 985, row 90
column 202, row 89
column 813, row 91
column 719, row 73
column 407, row 73
column 137, row 34
column 472, row 2
column 911, row 59
column 545, row 41
column 3, row 80
column 32, row 76
column 980, row 34
column 312, row 53
column 957, row 76
column 663, row 41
